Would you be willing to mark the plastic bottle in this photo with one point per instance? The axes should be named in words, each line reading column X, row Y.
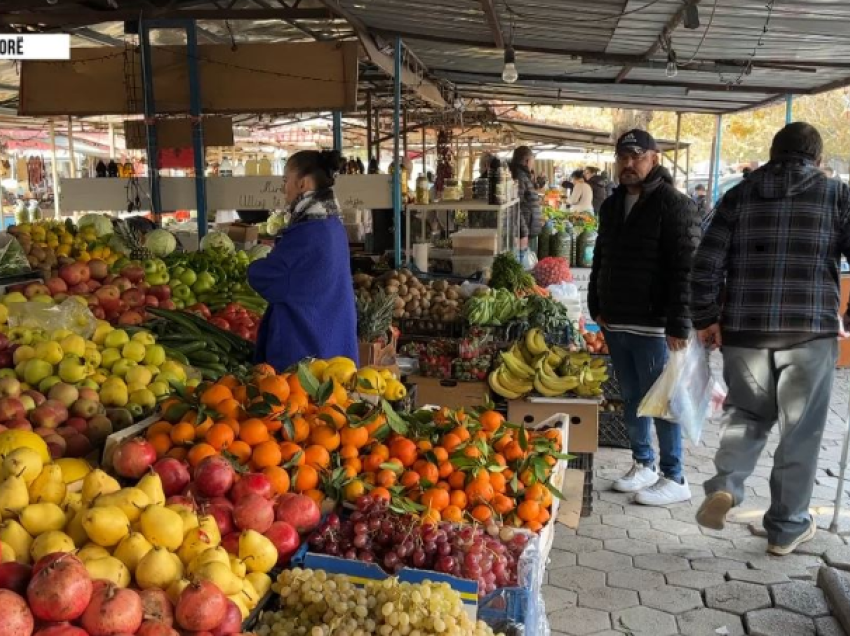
column 423, row 189
column 239, row 169
column 586, row 246
column 226, row 168
column 265, row 167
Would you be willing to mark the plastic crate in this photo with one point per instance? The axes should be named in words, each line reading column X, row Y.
column 584, row 462
column 431, row 328
column 611, row 388
column 613, row 432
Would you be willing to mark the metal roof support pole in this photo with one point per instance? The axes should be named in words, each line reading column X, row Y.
column 397, row 149
column 404, row 128
column 424, row 151
column 378, row 136
column 789, row 108
column 71, row 154
column 369, row 136
column 688, row 169
column 715, row 163
column 111, row 140
column 676, row 149
column 197, row 128
column 150, row 121
column 54, row 170
column 337, row 118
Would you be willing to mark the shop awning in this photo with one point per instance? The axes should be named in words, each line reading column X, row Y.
column 567, row 137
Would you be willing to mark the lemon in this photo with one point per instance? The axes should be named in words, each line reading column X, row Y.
column 145, row 337
column 109, row 356
column 139, row 375
column 116, row 338
column 134, row 351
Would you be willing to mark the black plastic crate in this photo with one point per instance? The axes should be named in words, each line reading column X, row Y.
column 613, row 432
column 431, row 328
column 610, row 388
column 584, row 461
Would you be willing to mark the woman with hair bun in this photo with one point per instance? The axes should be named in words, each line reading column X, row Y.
column 306, row 278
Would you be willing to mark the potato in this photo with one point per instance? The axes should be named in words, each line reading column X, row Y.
column 425, row 303
column 402, row 279
column 452, row 294
column 391, row 289
column 412, row 305
column 398, row 312
column 414, row 293
column 402, row 290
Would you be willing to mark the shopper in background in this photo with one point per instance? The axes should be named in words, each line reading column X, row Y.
column 581, row 198
column 777, row 325
column 306, row 278
column 598, row 184
column 701, row 199
column 638, row 294
column 829, row 171
column 531, row 214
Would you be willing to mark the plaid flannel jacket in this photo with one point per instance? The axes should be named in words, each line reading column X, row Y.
column 772, row 251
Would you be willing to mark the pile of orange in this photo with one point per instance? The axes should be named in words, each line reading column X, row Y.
column 459, row 467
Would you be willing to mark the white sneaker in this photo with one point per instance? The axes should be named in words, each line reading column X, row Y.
column 638, row 478
column 784, row 550
column 663, row 492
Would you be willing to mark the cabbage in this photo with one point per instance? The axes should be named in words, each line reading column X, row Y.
column 275, row 224
column 258, row 251
column 161, row 243
column 217, row 241
column 102, row 224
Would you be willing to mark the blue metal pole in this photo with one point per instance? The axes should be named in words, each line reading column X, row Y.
column 397, row 150
column 150, row 123
column 197, row 128
column 337, row 116
column 789, row 108
column 715, row 190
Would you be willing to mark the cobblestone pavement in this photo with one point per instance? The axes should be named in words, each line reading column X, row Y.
column 630, row 569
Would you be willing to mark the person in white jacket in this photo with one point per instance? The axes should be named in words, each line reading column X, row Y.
column 581, row 198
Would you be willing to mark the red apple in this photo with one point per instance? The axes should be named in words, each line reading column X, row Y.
column 89, row 394
column 4, row 342
column 98, row 313
column 131, row 317
column 108, row 296
column 57, row 286
column 10, row 387
column 21, row 425
column 36, row 289
column 78, row 424
column 133, row 273
column 11, row 408
column 61, row 297
column 75, row 273
column 79, row 289
column 122, row 283
column 134, row 298
column 98, row 268
column 151, row 301
column 93, row 285
column 162, row 292
column 37, row 397
column 167, row 304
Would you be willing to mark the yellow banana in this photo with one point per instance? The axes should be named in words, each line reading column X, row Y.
column 493, row 381
column 535, row 342
column 517, row 366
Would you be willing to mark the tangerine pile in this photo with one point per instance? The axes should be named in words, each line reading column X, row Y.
column 446, row 465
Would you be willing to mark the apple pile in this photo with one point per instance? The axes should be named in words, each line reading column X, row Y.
column 120, row 298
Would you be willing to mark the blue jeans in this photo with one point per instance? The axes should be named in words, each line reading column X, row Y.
column 638, row 361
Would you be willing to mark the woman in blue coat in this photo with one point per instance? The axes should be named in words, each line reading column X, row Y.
column 306, row 278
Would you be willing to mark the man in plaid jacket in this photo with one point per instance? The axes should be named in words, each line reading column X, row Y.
column 765, row 288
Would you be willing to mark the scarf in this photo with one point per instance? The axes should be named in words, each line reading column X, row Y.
column 314, row 206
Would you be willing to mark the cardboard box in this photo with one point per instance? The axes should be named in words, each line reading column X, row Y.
column 450, row 393
column 242, row 233
column 583, row 414
column 376, row 354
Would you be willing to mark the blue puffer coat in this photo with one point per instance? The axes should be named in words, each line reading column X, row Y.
column 306, row 280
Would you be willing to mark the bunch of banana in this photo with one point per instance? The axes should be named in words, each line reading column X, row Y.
column 506, row 385
column 535, row 342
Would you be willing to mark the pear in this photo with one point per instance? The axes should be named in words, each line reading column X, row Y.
column 249, row 594
column 50, row 542
column 190, row 519
column 176, row 589
column 162, row 527
column 72, row 503
column 23, row 462
column 91, row 551
column 217, row 554
column 158, row 569
column 106, row 526
column 98, row 483
column 258, row 552
column 220, row 574
column 75, row 528
column 131, row 501
column 131, row 550
column 7, row 554
column 195, row 542
column 260, row 581
column 38, row 518
column 14, row 496
column 151, row 485
column 110, row 569
column 208, row 524
column 13, row 534
column 49, row 486
column 238, row 567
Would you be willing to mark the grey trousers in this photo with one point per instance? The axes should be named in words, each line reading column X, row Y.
column 792, row 386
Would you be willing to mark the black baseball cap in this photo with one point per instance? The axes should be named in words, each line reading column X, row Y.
column 636, row 141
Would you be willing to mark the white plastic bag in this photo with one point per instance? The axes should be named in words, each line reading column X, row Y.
column 686, row 392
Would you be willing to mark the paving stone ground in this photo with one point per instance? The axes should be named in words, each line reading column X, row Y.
column 636, row 570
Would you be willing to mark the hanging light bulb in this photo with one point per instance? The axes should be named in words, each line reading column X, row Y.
column 509, row 73
column 672, row 68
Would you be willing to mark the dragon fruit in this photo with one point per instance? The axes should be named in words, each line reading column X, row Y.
column 552, row 270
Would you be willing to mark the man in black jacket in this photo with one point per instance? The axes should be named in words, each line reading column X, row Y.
column 638, row 294
column 599, row 186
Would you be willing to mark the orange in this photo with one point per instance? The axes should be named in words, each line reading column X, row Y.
column 356, row 437
column 430, row 517
column 457, row 480
column 348, row 452
column 444, row 485
column 453, row 514
column 297, row 403
column 427, row 471
column 316, row 495
column 220, row 436
column 159, row 427
column 300, row 430
column 215, row 394
column 353, row 490
column 240, row 394
column 498, row 481
column 383, row 451
column 179, row 453
column 404, row 450
column 317, row 456
column 394, row 465
column 240, row 450
column 305, row 478
column 253, row 431
column 264, row 369
column 229, row 408
column 200, row 452
column 410, row 479
column 326, row 437
column 386, row 478
column 372, row 463
column 161, row 443
column 375, row 425
column 547, row 498
column 279, row 479
column 534, row 526
column 355, row 463
column 544, row 515
column 276, row 385
column 294, row 384
column 440, row 454
column 500, row 460
column 491, row 421
column 424, row 445
column 288, row 451
column 528, row 510
column 502, row 504
column 535, row 492
column 230, row 381
column 472, row 452
column 202, row 428
column 458, row 498
column 482, row 513
column 183, row 433
column 349, row 471
column 435, row 498
column 332, row 417
column 451, row 442
column 381, row 493
column 267, row 454
column 513, row 451
column 479, row 492
column 446, row 469
column 461, row 432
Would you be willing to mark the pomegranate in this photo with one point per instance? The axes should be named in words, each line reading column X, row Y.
column 174, row 475
column 251, row 483
column 201, row 607
column 15, row 576
column 299, row 511
column 17, row 618
column 62, row 629
column 187, row 502
column 214, row 477
column 230, row 542
column 157, row 606
column 61, row 590
column 254, row 512
column 221, row 501
column 46, row 560
column 113, row 609
column 133, row 458
column 223, row 518
column 232, row 622
column 285, row 538
column 156, row 628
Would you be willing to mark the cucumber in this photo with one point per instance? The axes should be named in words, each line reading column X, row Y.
column 203, row 357
column 176, row 355
column 190, row 347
